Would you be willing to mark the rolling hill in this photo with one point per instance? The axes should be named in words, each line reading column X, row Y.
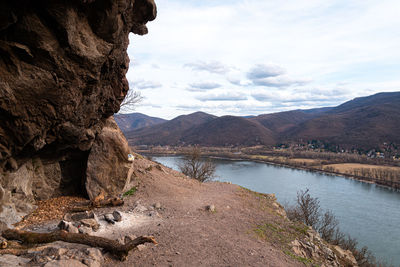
column 168, row 133
column 364, row 122
column 283, row 121
column 134, row 121
column 229, row 130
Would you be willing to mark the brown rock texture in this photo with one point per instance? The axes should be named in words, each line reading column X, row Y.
column 62, row 75
column 108, row 168
column 62, row 71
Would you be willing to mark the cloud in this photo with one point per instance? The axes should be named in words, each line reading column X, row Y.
column 212, row 67
column 262, row 71
column 222, row 97
column 280, row 81
column 201, row 86
column 328, row 42
column 143, row 84
column 272, row 76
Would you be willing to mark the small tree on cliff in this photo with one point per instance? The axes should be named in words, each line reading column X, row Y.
column 131, row 100
column 195, row 167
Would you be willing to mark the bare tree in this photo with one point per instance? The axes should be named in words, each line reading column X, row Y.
column 308, row 211
column 131, row 100
column 308, row 208
column 327, row 226
column 193, row 166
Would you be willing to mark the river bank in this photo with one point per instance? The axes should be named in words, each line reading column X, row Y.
column 382, row 175
column 365, row 211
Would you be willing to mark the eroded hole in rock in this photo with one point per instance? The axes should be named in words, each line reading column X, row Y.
column 73, row 172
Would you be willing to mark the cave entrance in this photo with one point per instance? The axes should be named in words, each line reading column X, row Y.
column 73, row 175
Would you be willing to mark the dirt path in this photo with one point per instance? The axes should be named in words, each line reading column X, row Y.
column 190, row 235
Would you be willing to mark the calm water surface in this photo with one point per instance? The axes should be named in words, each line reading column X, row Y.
column 368, row 212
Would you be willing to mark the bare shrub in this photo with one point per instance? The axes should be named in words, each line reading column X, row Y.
column 195, row 167
column 308, row 211
column 327, row 226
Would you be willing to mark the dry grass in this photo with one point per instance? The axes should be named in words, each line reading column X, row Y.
column 350, row 167
column 308, row 161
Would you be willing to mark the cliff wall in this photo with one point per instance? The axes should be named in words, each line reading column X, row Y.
column 62, row 75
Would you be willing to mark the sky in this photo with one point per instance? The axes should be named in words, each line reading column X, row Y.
column 250, row 57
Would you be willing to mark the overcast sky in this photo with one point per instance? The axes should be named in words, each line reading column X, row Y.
column 250, row 57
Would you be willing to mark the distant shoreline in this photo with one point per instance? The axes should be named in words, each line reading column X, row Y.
column 244, row 157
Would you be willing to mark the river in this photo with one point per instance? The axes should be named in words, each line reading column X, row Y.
column 367, row 212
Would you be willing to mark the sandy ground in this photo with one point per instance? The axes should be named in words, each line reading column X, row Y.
column 188, row 234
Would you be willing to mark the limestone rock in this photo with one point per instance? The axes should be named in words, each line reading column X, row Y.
column 211, row 208
column 92, row 223
column 70, row 217
column 63, row 225
column 62, row 72
column 108, row 167
column 139, row 208
column 117, row 216
column 109, row 218
column 346, row 255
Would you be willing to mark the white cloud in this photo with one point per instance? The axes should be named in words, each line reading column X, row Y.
column 143, row 84
column 262, row 71
column 202, row 86
column 224, row 96
column 212, row 66
column 308, row 50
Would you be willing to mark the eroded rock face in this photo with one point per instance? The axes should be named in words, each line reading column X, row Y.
column 62, row 71
column 108, row 167
column 62, row 74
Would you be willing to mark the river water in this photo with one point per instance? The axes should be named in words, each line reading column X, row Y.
column 367, row 212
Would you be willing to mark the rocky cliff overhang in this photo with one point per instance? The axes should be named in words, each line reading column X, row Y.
column 62, row 76
column 62, row 72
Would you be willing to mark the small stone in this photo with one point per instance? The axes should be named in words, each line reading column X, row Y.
column 92, row 223
column 211, row 208
column 117, row 216
column 72, row 229
column 63, row 225
column 153, row 214
column 70, row 217
column 85, row 230
column 157, row 205
column 109, row 218
column 140, row 208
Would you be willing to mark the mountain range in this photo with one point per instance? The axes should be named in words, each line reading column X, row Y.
column 364, row 122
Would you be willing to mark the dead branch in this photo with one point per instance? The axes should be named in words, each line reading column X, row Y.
column 114, row 247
